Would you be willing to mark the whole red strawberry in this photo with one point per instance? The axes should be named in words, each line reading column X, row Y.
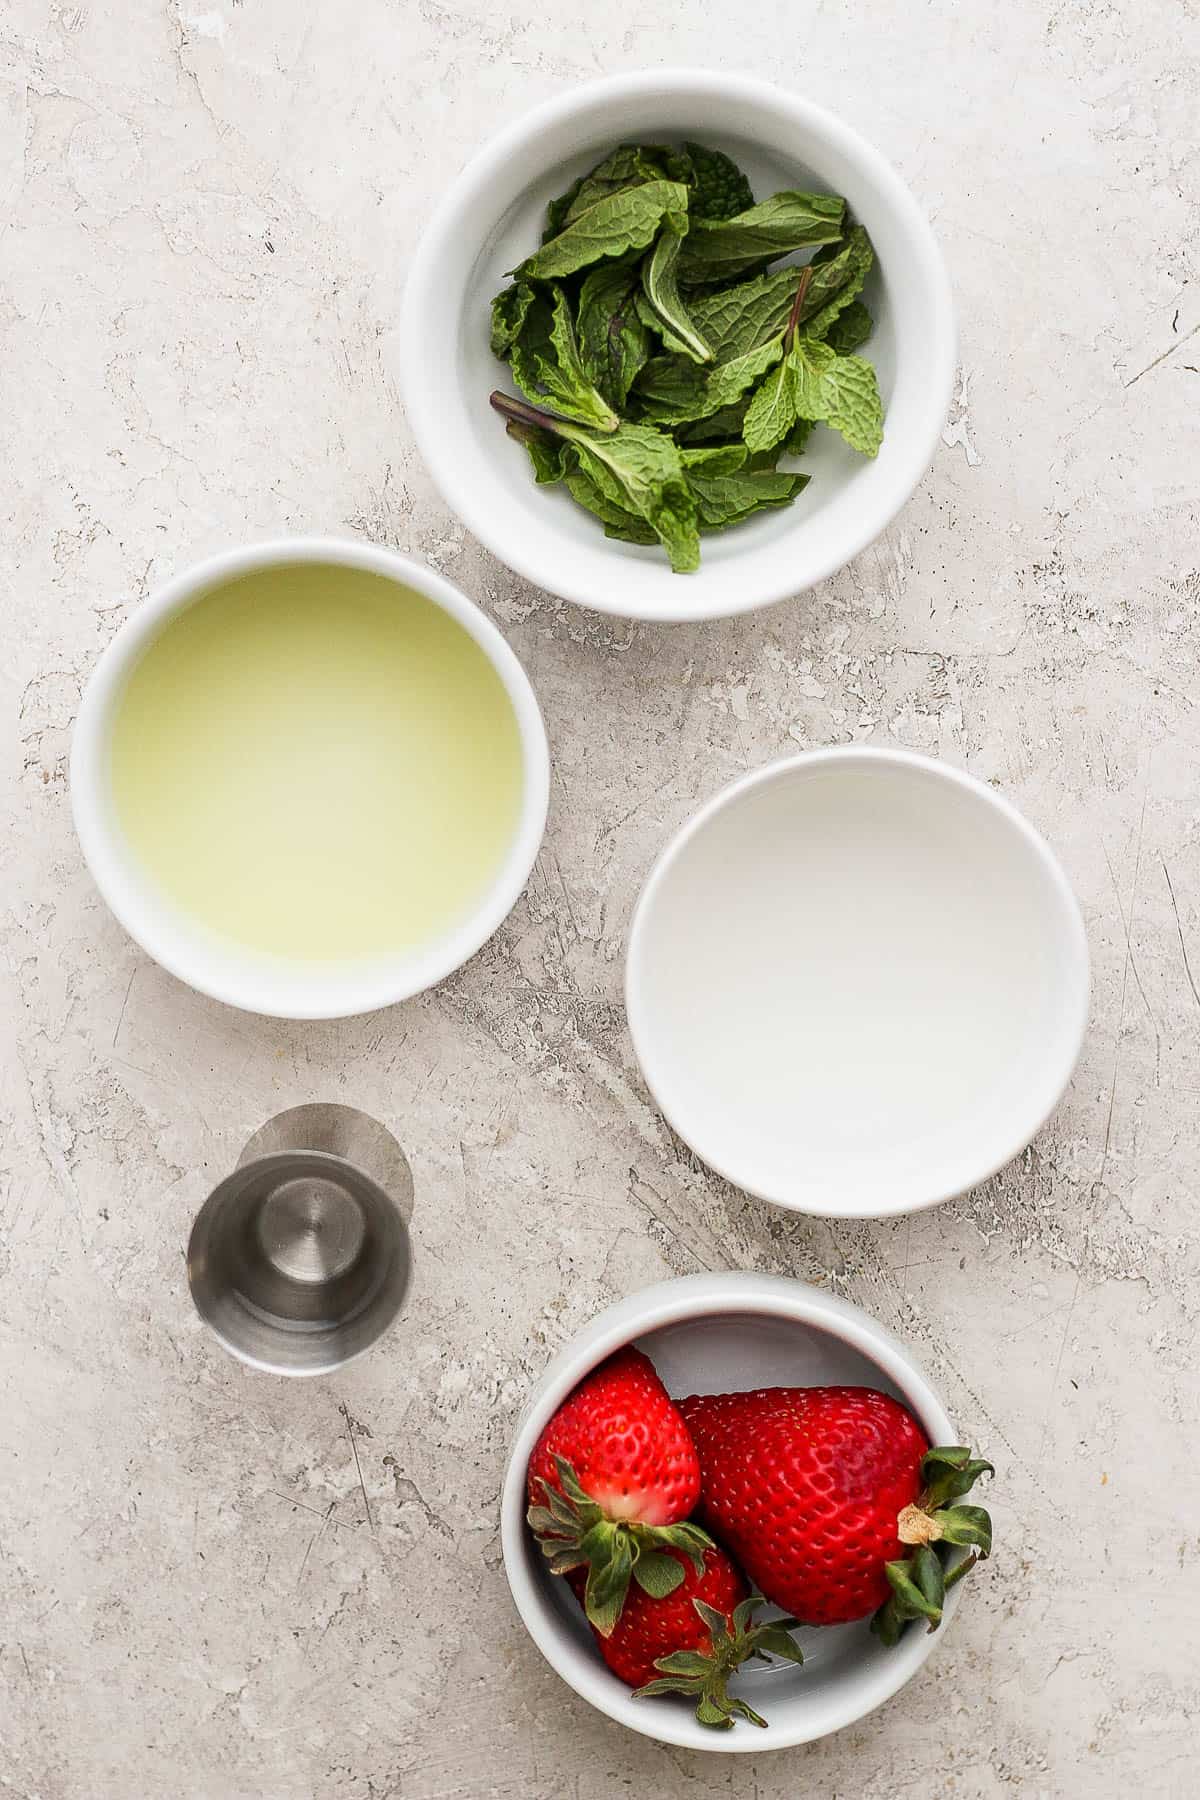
column 690, row 1640
column 624, row 1437
column 611, row 1480
column 818, row 1492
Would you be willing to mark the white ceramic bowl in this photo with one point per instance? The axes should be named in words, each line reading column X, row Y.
column 492, row 217
column 857, row 982
column 243, row 977
column 721, row 1333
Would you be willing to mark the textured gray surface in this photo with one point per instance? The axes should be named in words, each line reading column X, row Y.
column 206, row 212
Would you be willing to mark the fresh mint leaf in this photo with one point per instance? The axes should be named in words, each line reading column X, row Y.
column 672, row 391
column 797, row 438
column 736, row 319
column 727, row 423
column 772, row 412
column 836, row 283
column 815, row 383
column 547, row 366
column 727, row 500
column 557, row 210
column 654, row 324
column 641, row 469
column 719, row 459
column 627, row 166
column 634, row 467
column 677, row 164
column 759, row 460
column 853, row 406
column 851, row 330
column 827, row 252
column 729, row 381
column 613, row 341
column 717, row 250
column 676, row 524
column 661, row 287
column 739, row 318
column 509, row 311
column 728, row 491
column 633, row 534
column 719, row 189
column 809, row 365
column 549, row 456
column 812, row 383
column 618, row 521
column 661, row 330
column 627, row 219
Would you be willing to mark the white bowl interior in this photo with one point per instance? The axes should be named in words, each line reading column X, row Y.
column 219, row 966
column 857, row 983
column 846, row 1670
column 494, row 217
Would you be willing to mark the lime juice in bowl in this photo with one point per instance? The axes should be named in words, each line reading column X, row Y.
column 310, row 778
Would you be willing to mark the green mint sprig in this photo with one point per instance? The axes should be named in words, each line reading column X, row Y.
column 665, row 365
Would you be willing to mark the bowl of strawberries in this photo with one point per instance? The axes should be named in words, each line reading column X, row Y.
column 734, row 1516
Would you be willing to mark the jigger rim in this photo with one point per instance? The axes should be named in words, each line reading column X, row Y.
column 297, row 1163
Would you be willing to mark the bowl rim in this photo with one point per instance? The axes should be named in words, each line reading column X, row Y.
column 1078, row 976
column 423, row 386
column 293, row 992
column 667, row 1303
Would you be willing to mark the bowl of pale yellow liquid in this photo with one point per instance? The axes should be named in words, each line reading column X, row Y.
column 310, row 778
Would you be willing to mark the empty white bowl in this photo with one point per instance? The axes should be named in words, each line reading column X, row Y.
column 857, row 982
column 492, row 217
column 722, row 1333
column 222, row 968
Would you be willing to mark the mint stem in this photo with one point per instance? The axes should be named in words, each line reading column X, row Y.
column 522, row 413
column 789, row 335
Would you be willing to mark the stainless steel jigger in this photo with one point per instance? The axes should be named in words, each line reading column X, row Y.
column 300, row 1259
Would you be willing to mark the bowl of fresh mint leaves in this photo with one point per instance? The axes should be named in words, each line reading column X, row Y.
column 677, row 345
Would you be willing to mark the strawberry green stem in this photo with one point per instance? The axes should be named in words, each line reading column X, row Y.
column 920, row 1582
column 960, row 1569
column 732, row 1641
column 574, row 1532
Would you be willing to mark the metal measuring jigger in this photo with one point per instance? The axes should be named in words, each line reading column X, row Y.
column 300, row 1259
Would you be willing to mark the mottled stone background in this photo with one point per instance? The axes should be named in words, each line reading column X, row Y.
column 206, row 211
